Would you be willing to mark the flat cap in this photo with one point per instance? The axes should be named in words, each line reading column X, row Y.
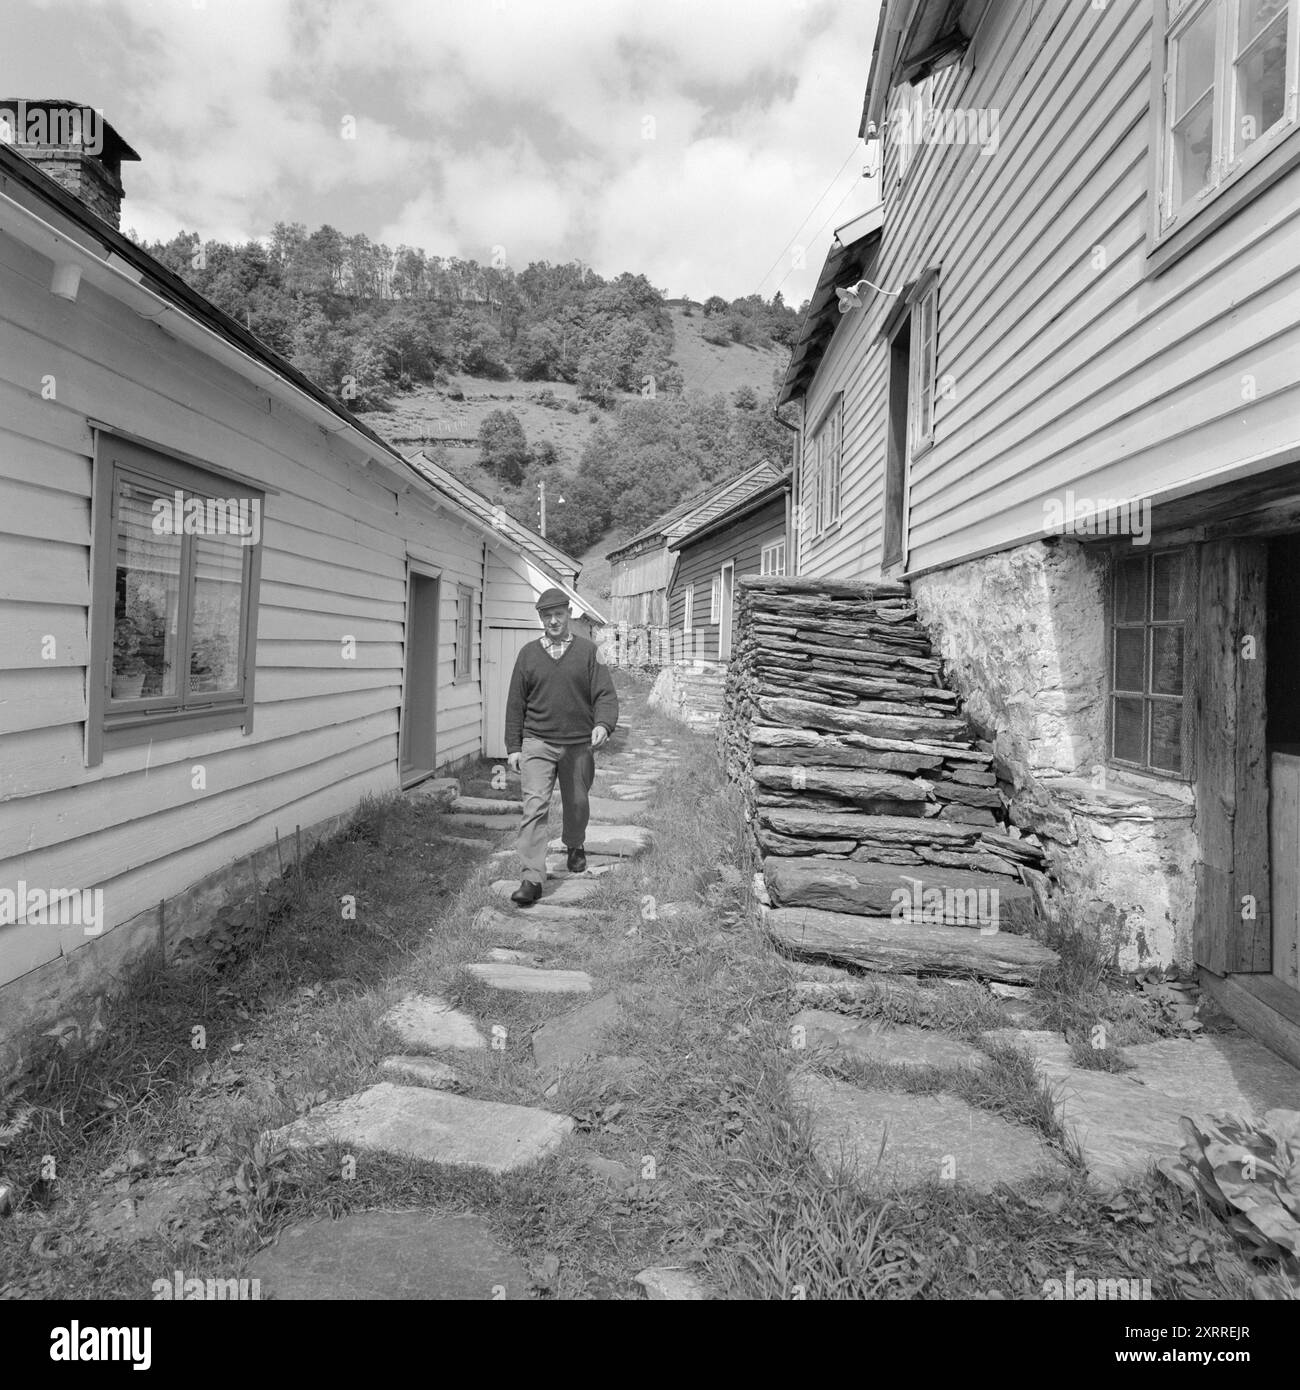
column 553, row 598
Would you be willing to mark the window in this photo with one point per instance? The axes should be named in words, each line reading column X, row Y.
column 913, row 333
column 1148, row 660
column 715, row 599
column 176, row 562
column 908, row 129
column 1229, row 88
column 464, row 632
column 688, row 612
column 824, row 470
column 772, row 558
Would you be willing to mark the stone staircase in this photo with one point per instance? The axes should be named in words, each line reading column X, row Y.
column 875, row 806
column 691, row 694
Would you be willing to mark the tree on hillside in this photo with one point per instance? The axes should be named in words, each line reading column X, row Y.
column 505, row 447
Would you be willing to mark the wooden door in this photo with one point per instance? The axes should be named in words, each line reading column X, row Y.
column 1284, row 847
column 1232, row 930
column 418, row 739
column 502, row 647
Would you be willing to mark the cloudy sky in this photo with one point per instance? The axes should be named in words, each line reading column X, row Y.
column 702, row 142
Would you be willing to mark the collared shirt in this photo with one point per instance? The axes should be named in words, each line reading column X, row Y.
column 555, row 650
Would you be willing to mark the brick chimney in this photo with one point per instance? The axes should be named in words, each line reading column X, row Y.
column 74, row 145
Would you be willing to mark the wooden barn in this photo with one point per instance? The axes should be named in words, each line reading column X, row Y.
column 1056, row 387
column 750, row 537
column 227, row 610
column 641, row 568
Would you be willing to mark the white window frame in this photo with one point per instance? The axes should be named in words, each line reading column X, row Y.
column 772, row 558
column 715, row 600
column 1237, row 173
column 826, row 476
column 464, row 641
column 922, row 389
column 688, row 610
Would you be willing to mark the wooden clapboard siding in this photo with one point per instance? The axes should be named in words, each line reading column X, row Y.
column 698, row 564
column 1100, row 379
column 512, row 598
column 336, row 540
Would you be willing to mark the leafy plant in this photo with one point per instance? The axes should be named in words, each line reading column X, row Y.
column 1249, row 1174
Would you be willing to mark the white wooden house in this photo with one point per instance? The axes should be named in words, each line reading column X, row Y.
column 642, row 568
column 172, row 695
column 1064, row 402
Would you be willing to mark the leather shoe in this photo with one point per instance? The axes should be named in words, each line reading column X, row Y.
column 578, row 860
column 526, row 894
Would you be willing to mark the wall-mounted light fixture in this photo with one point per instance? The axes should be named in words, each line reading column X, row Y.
column 66, row 281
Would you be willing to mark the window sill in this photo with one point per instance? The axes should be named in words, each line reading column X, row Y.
column 127, row 731
column 821, row 535
column 1239, row 189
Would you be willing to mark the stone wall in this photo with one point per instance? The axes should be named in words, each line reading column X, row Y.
column 1022, row 635
column 690, row 694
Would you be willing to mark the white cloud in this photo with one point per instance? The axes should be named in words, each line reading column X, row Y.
column 518, row 123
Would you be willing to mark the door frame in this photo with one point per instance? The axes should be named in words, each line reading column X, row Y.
column 419, row 569
column 726, row 606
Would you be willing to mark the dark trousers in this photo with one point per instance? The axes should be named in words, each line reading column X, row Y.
column 541, row 765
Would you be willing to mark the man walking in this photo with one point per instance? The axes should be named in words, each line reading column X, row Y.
column 561, row 707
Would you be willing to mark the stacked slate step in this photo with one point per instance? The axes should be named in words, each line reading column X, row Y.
column 858, row 765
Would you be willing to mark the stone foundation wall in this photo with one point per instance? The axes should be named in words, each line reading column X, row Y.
column 1022, row 635
column 691, row 695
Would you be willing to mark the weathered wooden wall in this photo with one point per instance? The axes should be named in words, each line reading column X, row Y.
column 1064, row 374
column 336, row 540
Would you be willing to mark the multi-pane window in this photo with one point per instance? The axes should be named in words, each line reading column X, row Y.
column 715, row 599
column 176, row 565
column 688, row 612
column 824, row 475
column 1229, row 90
column 464, row 632
column 908, row 131
column 924, row 354
column 772, row 558
column 1150, row 606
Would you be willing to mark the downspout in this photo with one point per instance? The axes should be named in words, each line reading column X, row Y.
column 796, row 479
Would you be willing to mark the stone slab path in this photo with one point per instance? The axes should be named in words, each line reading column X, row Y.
column 924, row 1138
column 899, row 1045
column 421, row 1071
column 627, row 840
column 428, row 1021
column 430, row 1125
column 408, row 1255
column 524, row 979
column 1123, row 1121
column 567, row 891
column 575, row 1036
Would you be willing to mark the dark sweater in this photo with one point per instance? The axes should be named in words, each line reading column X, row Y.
column 559, row 701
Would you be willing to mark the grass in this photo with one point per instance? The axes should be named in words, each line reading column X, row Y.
column 723, row 1175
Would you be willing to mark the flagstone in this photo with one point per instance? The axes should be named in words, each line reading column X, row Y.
column 892, row 1138
column 416, row 1256
column 426, row 1020
column 420, row 1071
column 567, row 891
column 899, row 1045
column 577, row 1035
column 1217, row 1075
column 524, row 979
column 664, row 1283
column 626, row 840
column 430, row 1125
